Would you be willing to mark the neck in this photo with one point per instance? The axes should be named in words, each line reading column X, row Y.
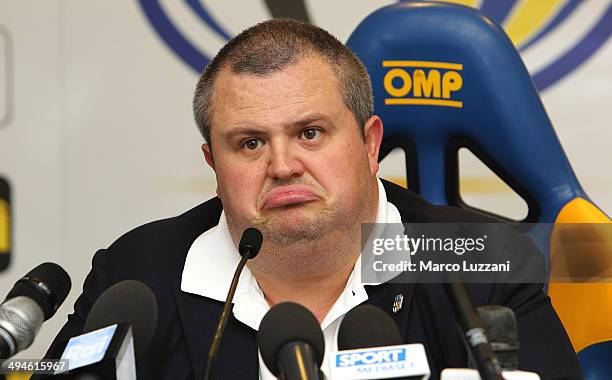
column 317, row 293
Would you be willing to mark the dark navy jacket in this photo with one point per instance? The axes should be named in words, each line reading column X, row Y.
column 155, row 254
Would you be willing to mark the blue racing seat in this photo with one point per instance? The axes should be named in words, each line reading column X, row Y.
column 445, row 77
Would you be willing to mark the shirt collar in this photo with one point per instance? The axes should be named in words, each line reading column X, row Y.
column 212, row 260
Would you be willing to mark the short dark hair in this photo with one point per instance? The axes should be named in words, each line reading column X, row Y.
column 271, row 46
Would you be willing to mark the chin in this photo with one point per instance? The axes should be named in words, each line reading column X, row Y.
column 293, row 228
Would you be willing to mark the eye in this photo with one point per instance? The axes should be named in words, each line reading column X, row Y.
column 252, row 144
column 310, row 133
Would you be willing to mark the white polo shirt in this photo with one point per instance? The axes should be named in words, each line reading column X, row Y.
column 212, row 260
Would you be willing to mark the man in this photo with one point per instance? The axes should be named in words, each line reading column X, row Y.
column 286, row 113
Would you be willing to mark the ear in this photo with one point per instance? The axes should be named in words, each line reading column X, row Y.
column 206, row 149
column 373, row 133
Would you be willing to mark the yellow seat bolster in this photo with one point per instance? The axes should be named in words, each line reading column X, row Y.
column 584, row 308
column 579, row 210
column 585, row 311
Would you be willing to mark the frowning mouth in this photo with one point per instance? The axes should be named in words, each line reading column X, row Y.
column 289, row 195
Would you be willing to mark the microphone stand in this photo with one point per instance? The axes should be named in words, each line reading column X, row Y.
column 249, row 246
column 487, row 363
column 214, row 347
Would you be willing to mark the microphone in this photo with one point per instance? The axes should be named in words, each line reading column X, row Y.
column 33, row 299
column 487, row 363
column 499, row 323
column 291, row 342
column 129, row 301
column 118, row 329
column 249, row 246
column 372, row 348
column 250, row 243
column 367, row 326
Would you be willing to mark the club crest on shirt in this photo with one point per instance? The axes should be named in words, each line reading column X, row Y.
column 398, row 302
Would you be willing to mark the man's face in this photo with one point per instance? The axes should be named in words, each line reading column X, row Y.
column 288, row 155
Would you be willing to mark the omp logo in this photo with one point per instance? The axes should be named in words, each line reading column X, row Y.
column 423, row 83
column 383, row 356
column 553, row 36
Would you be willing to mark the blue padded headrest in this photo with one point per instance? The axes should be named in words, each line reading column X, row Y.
column 444, row 75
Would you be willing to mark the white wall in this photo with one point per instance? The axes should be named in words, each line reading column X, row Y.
column 102, row 137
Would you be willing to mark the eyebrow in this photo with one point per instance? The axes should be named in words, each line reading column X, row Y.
column 254, row 130
column 310, row 118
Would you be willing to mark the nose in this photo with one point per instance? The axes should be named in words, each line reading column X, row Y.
column 284, row 162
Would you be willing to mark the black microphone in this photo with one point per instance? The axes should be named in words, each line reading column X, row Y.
column 499, row 323
column 249, row 246
column 370, row 344
column 291, row 342
column 250, row 243
column 118, row 329
column 469, row 324
column 367, row 326
column 32, row 300
column 128, row 301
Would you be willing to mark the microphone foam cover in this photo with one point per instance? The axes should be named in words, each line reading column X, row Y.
column 250, row 242
column 284, row 323
column 128, row 301
column 367, row 326
column 499, row 323
column 48, row 285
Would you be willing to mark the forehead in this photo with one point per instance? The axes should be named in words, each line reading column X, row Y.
column 306, row 86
